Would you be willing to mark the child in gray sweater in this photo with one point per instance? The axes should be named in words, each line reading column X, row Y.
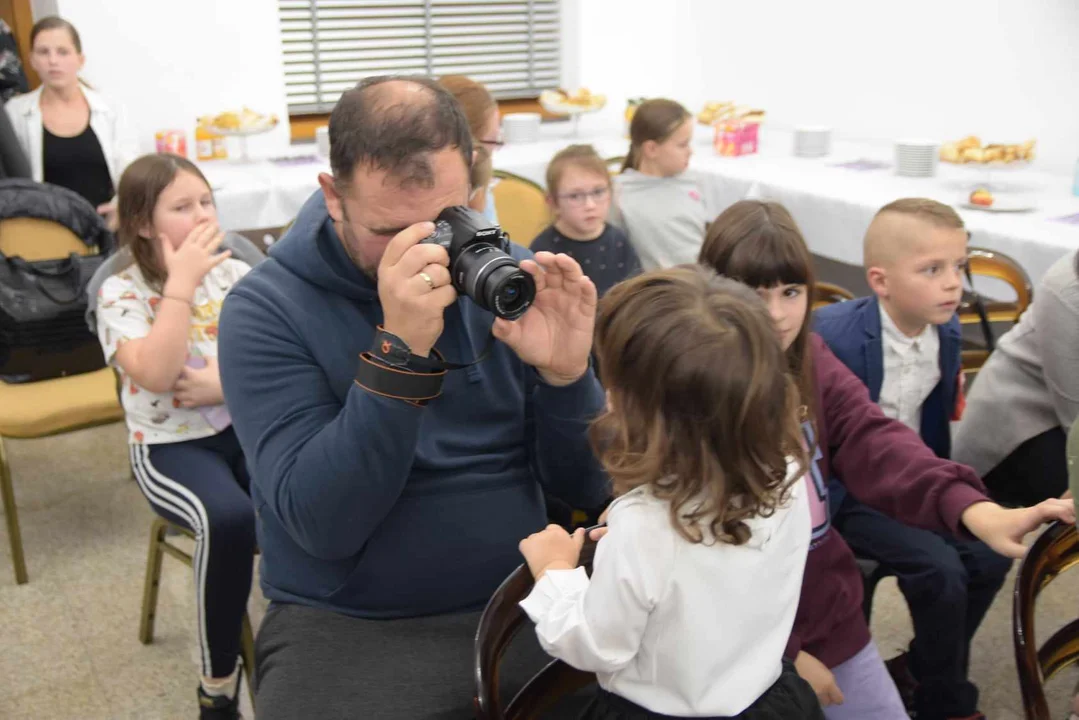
column 657, row 201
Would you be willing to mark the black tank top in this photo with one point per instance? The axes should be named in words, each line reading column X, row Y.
column 78, row 164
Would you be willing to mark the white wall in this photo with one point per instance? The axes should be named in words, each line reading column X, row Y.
column 1007, row 70
column 41, row 8
column 169, row 63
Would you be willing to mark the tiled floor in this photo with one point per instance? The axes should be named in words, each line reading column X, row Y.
column 68, row 639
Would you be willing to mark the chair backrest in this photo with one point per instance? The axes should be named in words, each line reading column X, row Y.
column 972, row 360
column 825, row 293
column 521, row 205
column 614, row 164
column 1073, row 460
column 501, row 620
column 994, row 264
column 35, row 239
column 1055, row 551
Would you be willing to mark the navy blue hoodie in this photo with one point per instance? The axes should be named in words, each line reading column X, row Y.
column 372, row 506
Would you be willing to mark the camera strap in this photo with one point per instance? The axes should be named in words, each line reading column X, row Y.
column 438, row 364
column 418, row 383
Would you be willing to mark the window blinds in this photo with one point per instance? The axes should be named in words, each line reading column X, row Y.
column 330, row 45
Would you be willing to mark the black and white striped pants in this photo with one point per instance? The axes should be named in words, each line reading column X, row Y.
column 203, row 485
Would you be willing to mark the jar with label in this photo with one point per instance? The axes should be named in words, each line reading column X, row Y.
column 171, row 141
column 210, row 145
column 204, row 141
column 221, row 148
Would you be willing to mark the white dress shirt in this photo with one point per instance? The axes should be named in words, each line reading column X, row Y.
column 911, row 371
column 679, row 628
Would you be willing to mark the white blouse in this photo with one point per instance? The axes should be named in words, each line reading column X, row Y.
column 679, row 628
column 109, row 123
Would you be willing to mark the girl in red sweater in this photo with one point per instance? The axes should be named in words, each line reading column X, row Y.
column 884, row 464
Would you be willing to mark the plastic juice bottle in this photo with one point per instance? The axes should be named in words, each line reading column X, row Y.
column 204, row 140
column 210, row 145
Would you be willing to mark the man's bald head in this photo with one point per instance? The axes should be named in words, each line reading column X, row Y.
column 897, row 228
column 393, row 124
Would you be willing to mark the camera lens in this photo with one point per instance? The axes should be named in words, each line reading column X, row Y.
column 493, row 280
column 510, row 291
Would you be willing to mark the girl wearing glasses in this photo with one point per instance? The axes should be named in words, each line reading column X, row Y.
column 579, row 195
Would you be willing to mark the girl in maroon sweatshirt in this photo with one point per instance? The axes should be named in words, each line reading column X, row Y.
column 884, row 464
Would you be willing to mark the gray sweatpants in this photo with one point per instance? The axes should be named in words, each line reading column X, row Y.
column 318, row 664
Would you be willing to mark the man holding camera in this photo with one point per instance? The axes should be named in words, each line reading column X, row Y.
column 400, row 435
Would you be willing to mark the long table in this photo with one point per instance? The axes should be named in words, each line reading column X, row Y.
column 833, row 205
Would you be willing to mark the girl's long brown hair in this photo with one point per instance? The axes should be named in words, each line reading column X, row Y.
column 140, row 188
column 758, row 243
column 701, row 407
column 656, row 120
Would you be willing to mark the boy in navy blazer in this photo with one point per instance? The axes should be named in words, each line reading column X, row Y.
column 904, row 343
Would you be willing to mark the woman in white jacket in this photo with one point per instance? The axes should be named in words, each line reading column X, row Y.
column 70, row 133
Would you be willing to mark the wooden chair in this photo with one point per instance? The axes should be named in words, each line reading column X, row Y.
column 521, row 205
column 614, row 164
column 501, row 620
column 990, row 263
column 972, row 360
column 47, row 407
column 825, row 293
column 1055, row 551
column 159, row 547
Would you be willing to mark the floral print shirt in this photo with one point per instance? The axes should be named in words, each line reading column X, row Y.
column 126, row 308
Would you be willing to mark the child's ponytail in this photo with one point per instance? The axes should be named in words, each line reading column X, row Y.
column 654, row 120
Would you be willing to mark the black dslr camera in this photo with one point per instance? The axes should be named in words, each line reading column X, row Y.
column 480, row 263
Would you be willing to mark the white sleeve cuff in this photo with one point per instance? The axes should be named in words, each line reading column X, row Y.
column 554, row 586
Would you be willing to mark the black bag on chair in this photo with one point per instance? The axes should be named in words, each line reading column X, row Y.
column 42, row 308
column 42, row 303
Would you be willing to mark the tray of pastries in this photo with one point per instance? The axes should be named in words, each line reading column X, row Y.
column 244, row 122
column 579, row 101
column 971, row 150
column 714, row 112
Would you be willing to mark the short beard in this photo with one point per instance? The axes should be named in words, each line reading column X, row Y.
column 348, row 241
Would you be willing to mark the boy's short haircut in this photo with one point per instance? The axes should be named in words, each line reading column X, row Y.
column 582, row 156
column 882, row 245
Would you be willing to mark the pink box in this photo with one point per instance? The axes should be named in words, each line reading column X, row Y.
column 734, row 137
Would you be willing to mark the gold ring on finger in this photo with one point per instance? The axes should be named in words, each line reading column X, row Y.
column 427, row 279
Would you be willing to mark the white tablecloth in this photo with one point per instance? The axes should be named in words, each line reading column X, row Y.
column 832, row 205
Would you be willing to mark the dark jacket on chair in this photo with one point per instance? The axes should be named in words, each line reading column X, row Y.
column 13, row 161
column 23, row 198
column 852, row 331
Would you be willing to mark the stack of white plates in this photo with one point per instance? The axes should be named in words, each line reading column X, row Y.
column 916, row 158
column 812, row 141
column 520, row 127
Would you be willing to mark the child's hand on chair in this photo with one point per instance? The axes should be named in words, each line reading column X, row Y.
column 552, row 549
